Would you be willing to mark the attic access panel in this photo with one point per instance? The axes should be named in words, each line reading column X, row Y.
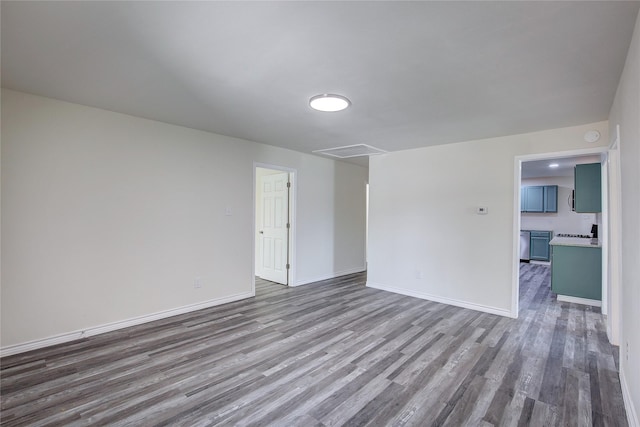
column 348, row 151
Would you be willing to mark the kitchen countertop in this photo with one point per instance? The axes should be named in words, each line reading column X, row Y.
column 576, row 241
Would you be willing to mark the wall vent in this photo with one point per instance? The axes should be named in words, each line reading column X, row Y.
column 347, row 151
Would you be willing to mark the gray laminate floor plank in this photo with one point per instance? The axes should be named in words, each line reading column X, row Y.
column 331, row 353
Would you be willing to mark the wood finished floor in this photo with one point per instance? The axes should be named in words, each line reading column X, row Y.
column 332, row 353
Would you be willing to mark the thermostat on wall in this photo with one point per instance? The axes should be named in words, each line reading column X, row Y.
column 482, row 210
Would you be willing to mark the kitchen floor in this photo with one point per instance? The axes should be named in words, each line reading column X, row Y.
column 535, row 286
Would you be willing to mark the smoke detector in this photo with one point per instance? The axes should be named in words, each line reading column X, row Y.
column 592, row 136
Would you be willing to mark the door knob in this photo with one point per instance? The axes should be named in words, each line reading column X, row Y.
column 261, row 232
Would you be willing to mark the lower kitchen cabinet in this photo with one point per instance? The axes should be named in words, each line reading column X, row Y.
column 577, row 271
column 539, row 249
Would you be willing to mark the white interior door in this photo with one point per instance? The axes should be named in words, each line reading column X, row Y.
column 274, row 231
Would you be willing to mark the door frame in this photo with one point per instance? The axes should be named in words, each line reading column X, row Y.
column 293, row 192
column 518, row 160
column 614, row 233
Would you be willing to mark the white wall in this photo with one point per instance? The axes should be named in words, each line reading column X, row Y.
column 563, row 221
column 422, row 217
column 626, row 113
column 106, row 217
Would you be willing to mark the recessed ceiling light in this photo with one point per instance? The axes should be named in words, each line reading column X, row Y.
column 329, row 103
column 554, row 165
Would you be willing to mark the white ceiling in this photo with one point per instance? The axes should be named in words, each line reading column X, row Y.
column 417, row 73
column 540, row 168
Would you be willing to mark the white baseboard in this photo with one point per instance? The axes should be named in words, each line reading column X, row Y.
column 443, row 300
column 108, row 327
column 632, row 414
column 539, row 262
column 333, row 275
column 578, row 300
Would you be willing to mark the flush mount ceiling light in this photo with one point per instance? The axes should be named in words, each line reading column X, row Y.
column 554, row 165
column 329, row 103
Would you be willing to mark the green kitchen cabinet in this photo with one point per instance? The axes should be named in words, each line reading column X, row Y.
column 534, row 199
column 588, row 188
column 539, row 198
column 577, row 271
column 539, row 249
column 551, row 198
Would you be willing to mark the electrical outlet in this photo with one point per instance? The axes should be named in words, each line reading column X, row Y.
column 197, row 282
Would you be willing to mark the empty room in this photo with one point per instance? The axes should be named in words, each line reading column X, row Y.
column 298, row 213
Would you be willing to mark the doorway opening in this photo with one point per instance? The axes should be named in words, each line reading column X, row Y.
column 274, row 201
column 538, row 226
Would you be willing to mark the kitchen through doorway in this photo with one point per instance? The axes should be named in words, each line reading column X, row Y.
column 546, row 210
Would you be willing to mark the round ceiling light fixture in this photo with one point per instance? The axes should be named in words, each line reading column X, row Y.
column 329, row 103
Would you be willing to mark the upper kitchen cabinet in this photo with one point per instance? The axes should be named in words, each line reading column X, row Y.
column 551, row 198
column 532, row 199
column 539, row 198
column 588, row 188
